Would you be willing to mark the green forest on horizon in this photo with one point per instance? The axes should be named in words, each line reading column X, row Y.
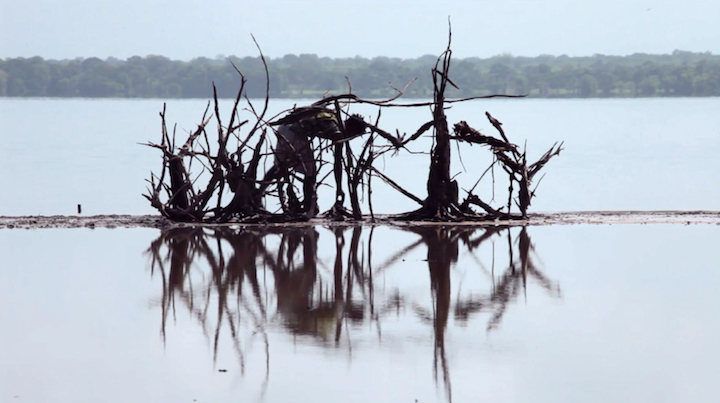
column 680, row 74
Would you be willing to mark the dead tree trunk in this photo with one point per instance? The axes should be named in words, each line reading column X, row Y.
column 441, row 202
column 440, row 189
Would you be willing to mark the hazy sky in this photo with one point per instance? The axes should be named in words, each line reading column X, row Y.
column 184, row 29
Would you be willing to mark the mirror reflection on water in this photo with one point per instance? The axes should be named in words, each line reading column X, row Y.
column 342, row 313
column 247, row 282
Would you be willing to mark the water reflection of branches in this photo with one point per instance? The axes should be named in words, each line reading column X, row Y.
column 187, row 247
column 319, row 298
column 512, row 280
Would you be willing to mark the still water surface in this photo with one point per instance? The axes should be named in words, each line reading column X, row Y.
column 620, row 154
column 542, row 314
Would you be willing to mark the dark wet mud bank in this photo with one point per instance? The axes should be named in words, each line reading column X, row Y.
column 582, row 217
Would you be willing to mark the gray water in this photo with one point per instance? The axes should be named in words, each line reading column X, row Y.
column 620, row 154
column 545, row 314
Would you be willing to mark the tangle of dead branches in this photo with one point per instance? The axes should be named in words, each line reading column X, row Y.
column 229, row 186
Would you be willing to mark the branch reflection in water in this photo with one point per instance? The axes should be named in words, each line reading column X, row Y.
column 250, row 280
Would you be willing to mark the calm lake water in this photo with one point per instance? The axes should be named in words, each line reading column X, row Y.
column 544, row 314
column 620, row 154
column 589, row 313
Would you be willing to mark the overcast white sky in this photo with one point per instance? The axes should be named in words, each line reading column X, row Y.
column 184, row 29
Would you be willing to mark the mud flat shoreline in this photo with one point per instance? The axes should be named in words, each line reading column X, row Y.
column 565, row 218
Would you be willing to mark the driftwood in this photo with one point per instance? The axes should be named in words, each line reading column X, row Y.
column 229, row 165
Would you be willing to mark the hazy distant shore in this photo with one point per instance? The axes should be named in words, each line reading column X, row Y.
column 680, row 74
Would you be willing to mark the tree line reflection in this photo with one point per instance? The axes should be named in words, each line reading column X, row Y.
column 319, row 283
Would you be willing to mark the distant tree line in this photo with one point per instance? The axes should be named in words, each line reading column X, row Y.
column 680, row 74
